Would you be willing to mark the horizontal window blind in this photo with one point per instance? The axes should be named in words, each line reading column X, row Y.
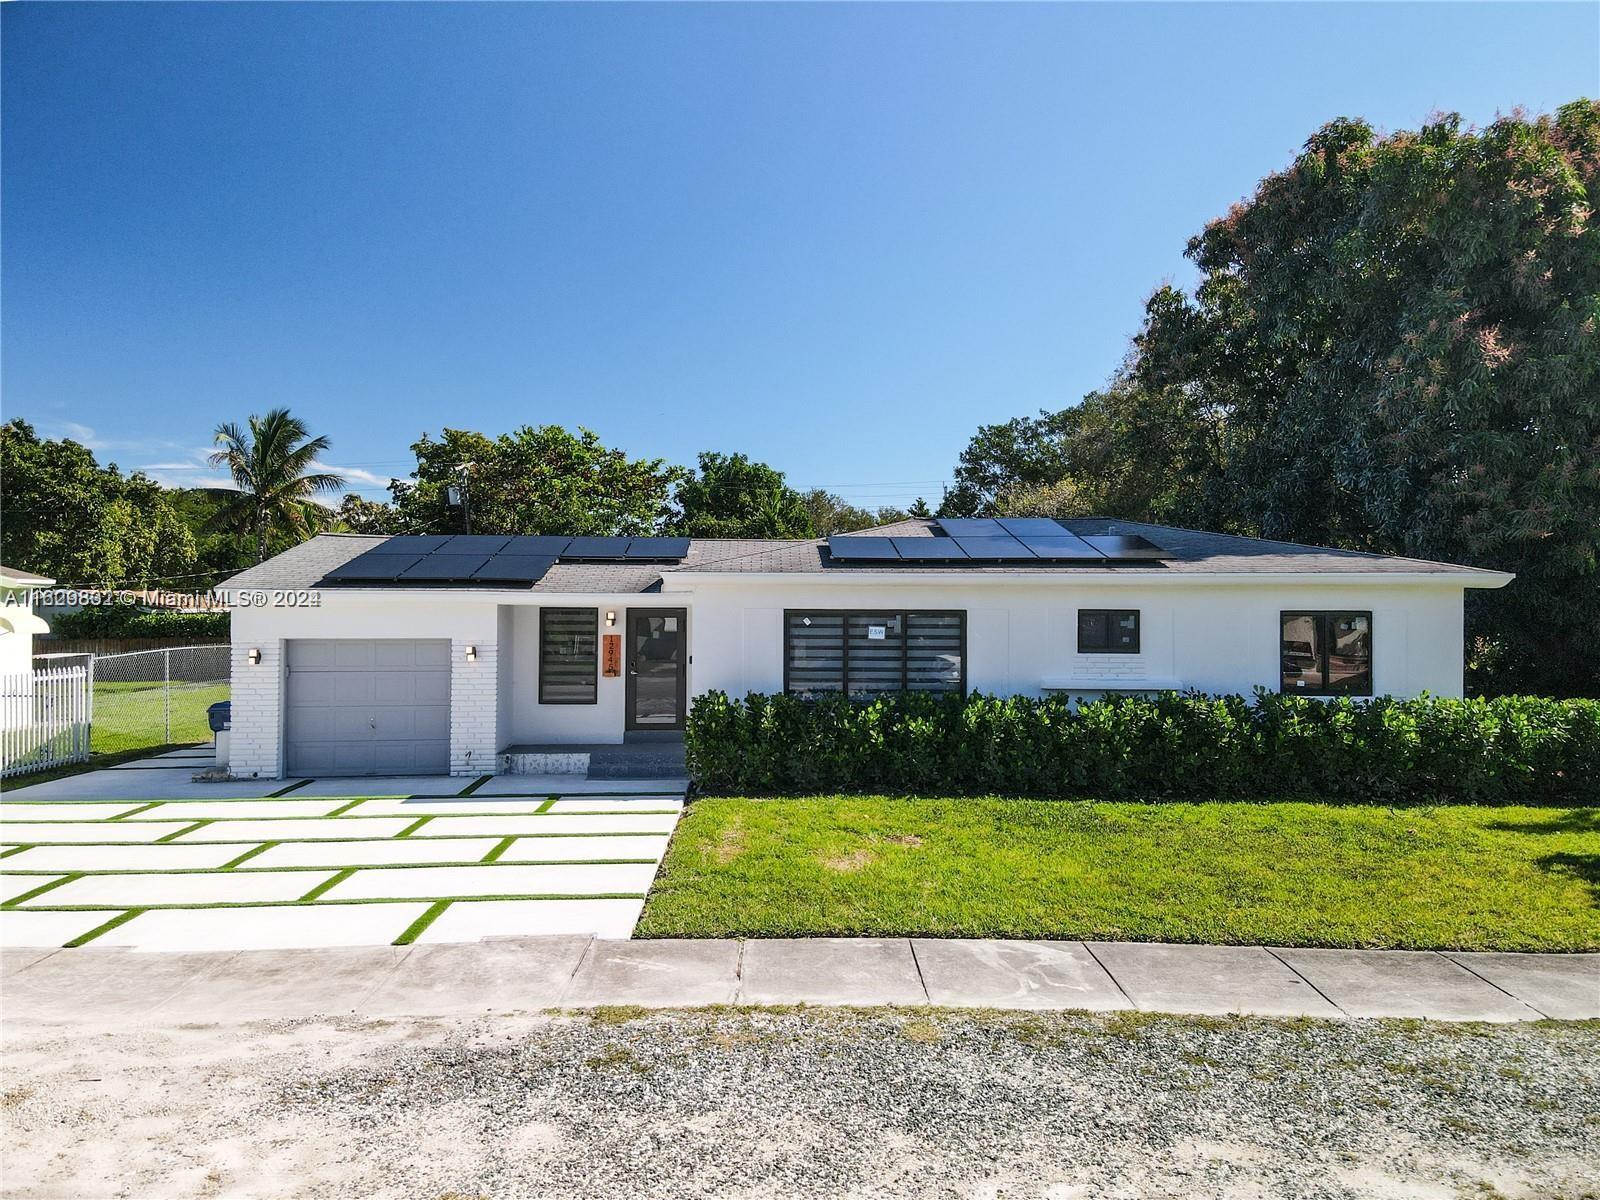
column 869, row 653
column 569, row 644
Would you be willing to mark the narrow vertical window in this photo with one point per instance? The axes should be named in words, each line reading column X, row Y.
column 569, row 646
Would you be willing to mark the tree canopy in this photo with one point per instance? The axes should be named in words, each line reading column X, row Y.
column 1394, row 346
column 732, row 497
column 534, row 480
column 83, row 524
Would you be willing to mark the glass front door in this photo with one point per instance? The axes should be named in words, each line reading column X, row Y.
column 657, row 658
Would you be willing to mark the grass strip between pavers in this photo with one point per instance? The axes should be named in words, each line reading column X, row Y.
column 414, row 826
column 227, row 866
column 497, row 850
column 178, row 833
column 10, row 850
column 42, row 889
column 414, row 930
column 331, row 881
column 336, row 901
column 344, row 808
column 652, row 794
column 430, row 837
column 540, row 811
column 132, row 812
column 545, row 807
column 85, row 938
column 228, row 869
column 293, row 787
column 475, row 785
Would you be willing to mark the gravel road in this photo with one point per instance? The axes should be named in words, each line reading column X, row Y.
column 805, row 1104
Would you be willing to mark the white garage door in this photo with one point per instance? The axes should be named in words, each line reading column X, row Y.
column 374, row 707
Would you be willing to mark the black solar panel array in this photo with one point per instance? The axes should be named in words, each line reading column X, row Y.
column 991, row 540
column 494, row 559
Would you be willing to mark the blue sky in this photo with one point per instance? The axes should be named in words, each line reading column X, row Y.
column 837, row 238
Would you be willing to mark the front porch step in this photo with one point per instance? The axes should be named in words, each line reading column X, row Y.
column 641, row 760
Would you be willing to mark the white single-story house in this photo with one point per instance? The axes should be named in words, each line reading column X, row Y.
column 18, row 621
column 358, row 655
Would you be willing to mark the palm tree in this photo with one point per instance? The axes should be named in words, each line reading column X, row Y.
column 271, row 465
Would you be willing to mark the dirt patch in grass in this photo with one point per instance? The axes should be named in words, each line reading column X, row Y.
column 856, row 860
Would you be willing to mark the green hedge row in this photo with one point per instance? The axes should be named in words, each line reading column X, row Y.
column 126, row 621
column 1510, row 750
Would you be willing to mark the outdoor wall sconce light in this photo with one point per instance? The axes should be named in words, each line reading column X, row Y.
column 254, row 658
column 472, row 654
column 611, row 620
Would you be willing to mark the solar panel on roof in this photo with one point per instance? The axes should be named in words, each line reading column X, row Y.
column 929, row 549
column 1024, row 527
column 514, row 568
column 863, row 549
column 994, row 549
column 1126, row 547
column 444, row 567
column 409, row 543
column 964, row 527
column 473, row 543
column 1066, row 548
column 536, row 544
column 373, row 567
column 597, row 547
column 658, row 547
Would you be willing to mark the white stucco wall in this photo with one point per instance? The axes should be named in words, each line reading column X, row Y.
column 1021, row 637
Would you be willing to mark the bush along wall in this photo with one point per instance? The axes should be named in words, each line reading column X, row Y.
column 1508, row 750
column 125, row 621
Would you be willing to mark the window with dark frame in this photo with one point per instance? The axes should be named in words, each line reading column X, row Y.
column 1108, row 631
column 1326, row 653
column 569, row 655
column 869, row 653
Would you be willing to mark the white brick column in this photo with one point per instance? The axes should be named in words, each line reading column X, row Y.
column 474, row 708
column 255, row 739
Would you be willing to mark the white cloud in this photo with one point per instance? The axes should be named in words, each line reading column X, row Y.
column 354, row 474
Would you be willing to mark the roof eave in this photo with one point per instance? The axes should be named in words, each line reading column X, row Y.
column 1472, row 577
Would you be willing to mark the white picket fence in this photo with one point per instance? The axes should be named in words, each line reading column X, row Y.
column 44, row 719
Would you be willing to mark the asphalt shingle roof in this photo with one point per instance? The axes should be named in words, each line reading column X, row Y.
column 1191, row 552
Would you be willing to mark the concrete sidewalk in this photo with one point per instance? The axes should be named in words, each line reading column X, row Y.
column 506, row 974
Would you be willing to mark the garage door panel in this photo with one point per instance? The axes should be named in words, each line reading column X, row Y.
column 309, row 655
column 433, row 655
column 394, row 656
column 353, row 656
column 432, row 689
column 310, row 690
column 365, row 707
column 352, row 687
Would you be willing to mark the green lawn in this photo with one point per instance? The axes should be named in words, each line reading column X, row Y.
column 132, row 716
column 1279, row 874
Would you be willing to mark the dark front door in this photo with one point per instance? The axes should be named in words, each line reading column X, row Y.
column 658, row 643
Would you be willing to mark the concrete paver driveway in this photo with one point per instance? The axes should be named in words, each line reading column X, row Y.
column 141, row 857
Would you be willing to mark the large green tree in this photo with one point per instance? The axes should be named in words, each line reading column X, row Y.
column 1404, row 336
column 273, row 463
column 64, row 515
column 732, row 497
column 832, row 514
column 1394, row 346
column 534, row 480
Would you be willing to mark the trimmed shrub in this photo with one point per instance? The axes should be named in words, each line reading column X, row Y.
column 125, row 621
column 1508, row 750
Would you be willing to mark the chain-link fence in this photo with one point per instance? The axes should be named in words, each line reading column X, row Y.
column 155, row 697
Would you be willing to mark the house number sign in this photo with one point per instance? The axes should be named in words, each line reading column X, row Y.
column 611, row 654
